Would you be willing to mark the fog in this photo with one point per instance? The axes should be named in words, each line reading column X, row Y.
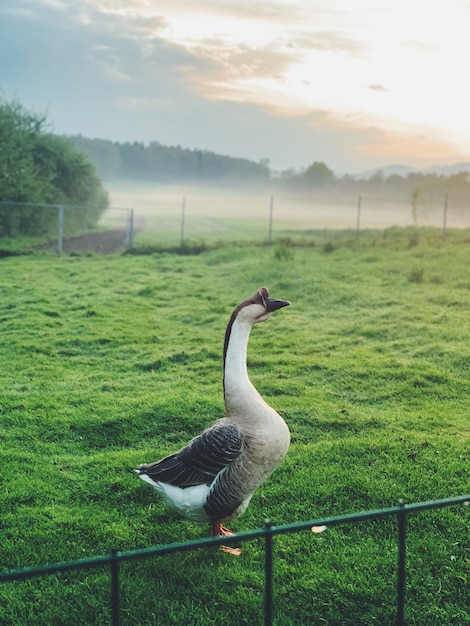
column 159, row 208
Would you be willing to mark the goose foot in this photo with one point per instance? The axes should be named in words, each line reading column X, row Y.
column 221, row 531
column 230, row 550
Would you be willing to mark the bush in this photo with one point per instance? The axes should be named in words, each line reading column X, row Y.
column 37, row 167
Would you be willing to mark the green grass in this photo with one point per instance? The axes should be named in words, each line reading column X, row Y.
column 108, row 362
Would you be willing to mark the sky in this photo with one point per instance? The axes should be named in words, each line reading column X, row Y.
column 357, row 84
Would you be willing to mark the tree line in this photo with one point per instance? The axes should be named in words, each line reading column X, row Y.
column 169, row 164
column 38, row 167
column 415, row 189
column 166, row 164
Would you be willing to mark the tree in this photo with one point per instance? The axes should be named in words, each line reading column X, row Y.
column 18, row 133
column 37, row 167
column 103, row 153
column 317, row 174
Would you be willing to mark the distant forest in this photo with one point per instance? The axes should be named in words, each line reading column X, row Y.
column 170, row 164
column 167, row 164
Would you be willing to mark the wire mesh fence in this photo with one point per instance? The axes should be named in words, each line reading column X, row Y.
column 61, row 228
column 167, row 217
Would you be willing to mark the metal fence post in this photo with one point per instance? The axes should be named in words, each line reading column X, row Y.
column 444, row 223
column 183, row 211
column 130, row 228
column 60, row 229
column 114, row 588
column 270, row 231
column 401, row 578
column 358, row 215
column 268, row 584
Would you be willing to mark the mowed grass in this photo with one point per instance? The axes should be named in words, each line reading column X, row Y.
column 108, row 362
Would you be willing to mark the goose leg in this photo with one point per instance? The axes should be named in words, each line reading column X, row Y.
column 219, row 531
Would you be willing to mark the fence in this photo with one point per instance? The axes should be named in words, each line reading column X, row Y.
column 330, row 212
column 268, row 532
column 61, row 209
column 225, row 216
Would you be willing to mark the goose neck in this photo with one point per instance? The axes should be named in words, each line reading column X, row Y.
column 237, row 385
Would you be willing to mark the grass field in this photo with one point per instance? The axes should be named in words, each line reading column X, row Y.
column 108, row 362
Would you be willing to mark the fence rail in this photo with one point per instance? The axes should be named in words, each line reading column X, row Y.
column 268, row 532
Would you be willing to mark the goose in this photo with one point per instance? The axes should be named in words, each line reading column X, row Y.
column 213, row 477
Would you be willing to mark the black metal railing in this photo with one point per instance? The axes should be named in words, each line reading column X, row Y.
column 269, row 531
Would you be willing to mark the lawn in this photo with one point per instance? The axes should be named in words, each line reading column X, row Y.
column 108, row 362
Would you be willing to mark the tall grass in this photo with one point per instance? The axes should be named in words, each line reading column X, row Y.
column 112, row 361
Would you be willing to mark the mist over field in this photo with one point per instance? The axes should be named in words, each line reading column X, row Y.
column 155, row 206
column 153, row 179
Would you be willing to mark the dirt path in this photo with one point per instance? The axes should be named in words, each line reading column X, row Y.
column 102, row 242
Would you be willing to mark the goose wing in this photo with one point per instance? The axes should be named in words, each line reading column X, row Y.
column 200, row 461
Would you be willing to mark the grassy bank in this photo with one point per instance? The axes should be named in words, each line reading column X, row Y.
column 112, row 361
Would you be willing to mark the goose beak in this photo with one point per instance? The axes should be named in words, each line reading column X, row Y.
column 273, row 305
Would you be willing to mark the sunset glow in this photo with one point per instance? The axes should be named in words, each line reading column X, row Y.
column 372, row 67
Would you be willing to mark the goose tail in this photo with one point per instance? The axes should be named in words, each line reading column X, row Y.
column 188, row 502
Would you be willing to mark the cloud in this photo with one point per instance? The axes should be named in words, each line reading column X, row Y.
column 123, row 71
column 241, row 62
column 328, row 41
column 83, row 54
column 378, row 88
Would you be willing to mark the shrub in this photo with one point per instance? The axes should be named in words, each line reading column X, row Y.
column 37, row 167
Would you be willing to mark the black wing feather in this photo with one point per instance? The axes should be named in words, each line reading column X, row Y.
column 200, row 460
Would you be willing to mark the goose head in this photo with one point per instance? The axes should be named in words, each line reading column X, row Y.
column 259, row 307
